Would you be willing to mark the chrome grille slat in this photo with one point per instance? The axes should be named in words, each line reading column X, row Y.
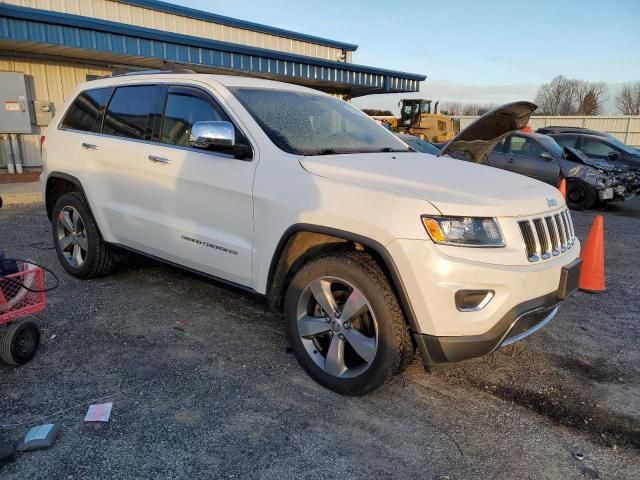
column 543, row 238
column 548, row 235
column 563, row 234
column 553, row 233
column 530, row 245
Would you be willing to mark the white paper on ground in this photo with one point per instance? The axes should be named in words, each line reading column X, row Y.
column 99, row 412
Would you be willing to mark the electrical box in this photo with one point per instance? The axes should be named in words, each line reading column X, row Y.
column 15, row 114
column 43, row 112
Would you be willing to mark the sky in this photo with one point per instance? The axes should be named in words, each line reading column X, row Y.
column 471, row 51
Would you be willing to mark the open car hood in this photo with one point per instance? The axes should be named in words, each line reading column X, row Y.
column 476, row 141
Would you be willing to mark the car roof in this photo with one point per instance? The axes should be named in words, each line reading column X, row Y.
column 533, row 135
column 165, row 77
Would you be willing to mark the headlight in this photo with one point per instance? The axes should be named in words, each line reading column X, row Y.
column 464, row 231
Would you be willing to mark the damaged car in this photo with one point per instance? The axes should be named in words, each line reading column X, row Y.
column 539, row 156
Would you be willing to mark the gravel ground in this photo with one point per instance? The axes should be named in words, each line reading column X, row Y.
column 222, row 398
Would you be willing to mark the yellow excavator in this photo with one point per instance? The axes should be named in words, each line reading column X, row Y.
column 416, row 118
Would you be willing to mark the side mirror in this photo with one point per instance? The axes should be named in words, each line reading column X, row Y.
column 546, row 156
column 218, row 136
column 613, row 155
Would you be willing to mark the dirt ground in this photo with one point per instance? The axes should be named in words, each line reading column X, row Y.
column 218, row 396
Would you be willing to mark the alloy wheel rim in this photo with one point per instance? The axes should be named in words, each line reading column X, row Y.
column 72, row 236
column 337, row 327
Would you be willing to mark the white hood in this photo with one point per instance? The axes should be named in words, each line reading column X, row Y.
column 454, row 187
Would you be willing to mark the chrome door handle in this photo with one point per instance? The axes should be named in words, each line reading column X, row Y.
column 89, row 146
column 156, row 159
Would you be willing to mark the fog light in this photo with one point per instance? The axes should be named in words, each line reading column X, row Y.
column 473, row 300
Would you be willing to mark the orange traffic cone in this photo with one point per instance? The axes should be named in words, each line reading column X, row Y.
column 563, row 187
column 592, row 273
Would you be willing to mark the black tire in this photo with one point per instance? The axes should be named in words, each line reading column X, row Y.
column 19, row 343
column 580, row 195
column 394, row 350
column 100, row 259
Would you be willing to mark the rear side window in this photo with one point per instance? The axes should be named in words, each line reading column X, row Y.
column 128, row 112
column 566, row 141
column 184, row 107
column 85, row 113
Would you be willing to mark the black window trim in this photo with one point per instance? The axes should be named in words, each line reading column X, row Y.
column 162, row 100
column 159, row 102
column 61, row 126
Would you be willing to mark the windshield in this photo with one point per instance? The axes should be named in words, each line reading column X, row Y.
column 420, row 145
column 311, row 124
column 551, row 146
column 622, row 146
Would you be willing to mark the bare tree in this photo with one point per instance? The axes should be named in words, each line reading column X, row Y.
column 566, row 96
column 628, row 99
column 590, row 97
column 458, row 108
column 557, row 97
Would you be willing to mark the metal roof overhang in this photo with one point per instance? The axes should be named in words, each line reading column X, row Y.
column 43, row 32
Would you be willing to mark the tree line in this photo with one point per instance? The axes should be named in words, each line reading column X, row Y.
column 567, row 96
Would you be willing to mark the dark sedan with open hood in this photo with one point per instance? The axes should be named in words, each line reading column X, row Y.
column 493, row 140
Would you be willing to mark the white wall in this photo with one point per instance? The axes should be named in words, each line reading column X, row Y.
column 625, row 128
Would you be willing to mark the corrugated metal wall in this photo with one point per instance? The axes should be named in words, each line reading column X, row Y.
column 48, row 81
column 133, row 15
column 625, row 128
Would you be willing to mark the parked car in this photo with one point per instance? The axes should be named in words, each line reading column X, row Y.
column 602, row 148
column 555, row 130
column 367, row 248
column 418, row 144
column 588, row 180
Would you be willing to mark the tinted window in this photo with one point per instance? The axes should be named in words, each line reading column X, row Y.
column 566, row 141
column 524, row 146
column 128, row 112
column 85, row 114
column 596, row 148
column 306, row 123
column 184, row 107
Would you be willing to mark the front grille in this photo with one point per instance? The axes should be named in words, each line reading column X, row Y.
column 548, row 236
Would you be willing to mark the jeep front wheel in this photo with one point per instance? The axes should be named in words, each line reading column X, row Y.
column 344, row 324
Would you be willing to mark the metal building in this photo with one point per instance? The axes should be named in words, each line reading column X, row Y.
column 58, row 44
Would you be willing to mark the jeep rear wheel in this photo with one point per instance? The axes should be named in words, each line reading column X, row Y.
column 77, row 240
column 345, row 325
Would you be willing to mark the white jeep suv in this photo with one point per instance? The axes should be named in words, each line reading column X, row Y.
column 368, row 248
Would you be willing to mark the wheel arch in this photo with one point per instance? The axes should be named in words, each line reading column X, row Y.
column 301, row 242
column 59, row 183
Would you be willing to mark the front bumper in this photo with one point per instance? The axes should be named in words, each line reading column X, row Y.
column 526, row 298
column 522, row 321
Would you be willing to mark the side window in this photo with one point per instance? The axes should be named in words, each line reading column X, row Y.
column 128, row 112
column 85, row 113
column 499, row 148
column 183, row 107
column 524, row 146
column 566, row 141
column 596, row 148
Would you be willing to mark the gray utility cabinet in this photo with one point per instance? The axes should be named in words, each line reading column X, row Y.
column 15, row 111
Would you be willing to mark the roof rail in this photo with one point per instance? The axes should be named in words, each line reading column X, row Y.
column 153, row 72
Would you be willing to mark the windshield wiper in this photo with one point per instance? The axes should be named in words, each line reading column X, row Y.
column 389, row 149
column 327, row 151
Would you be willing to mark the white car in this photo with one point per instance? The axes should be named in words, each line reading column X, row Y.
column 369, row 249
